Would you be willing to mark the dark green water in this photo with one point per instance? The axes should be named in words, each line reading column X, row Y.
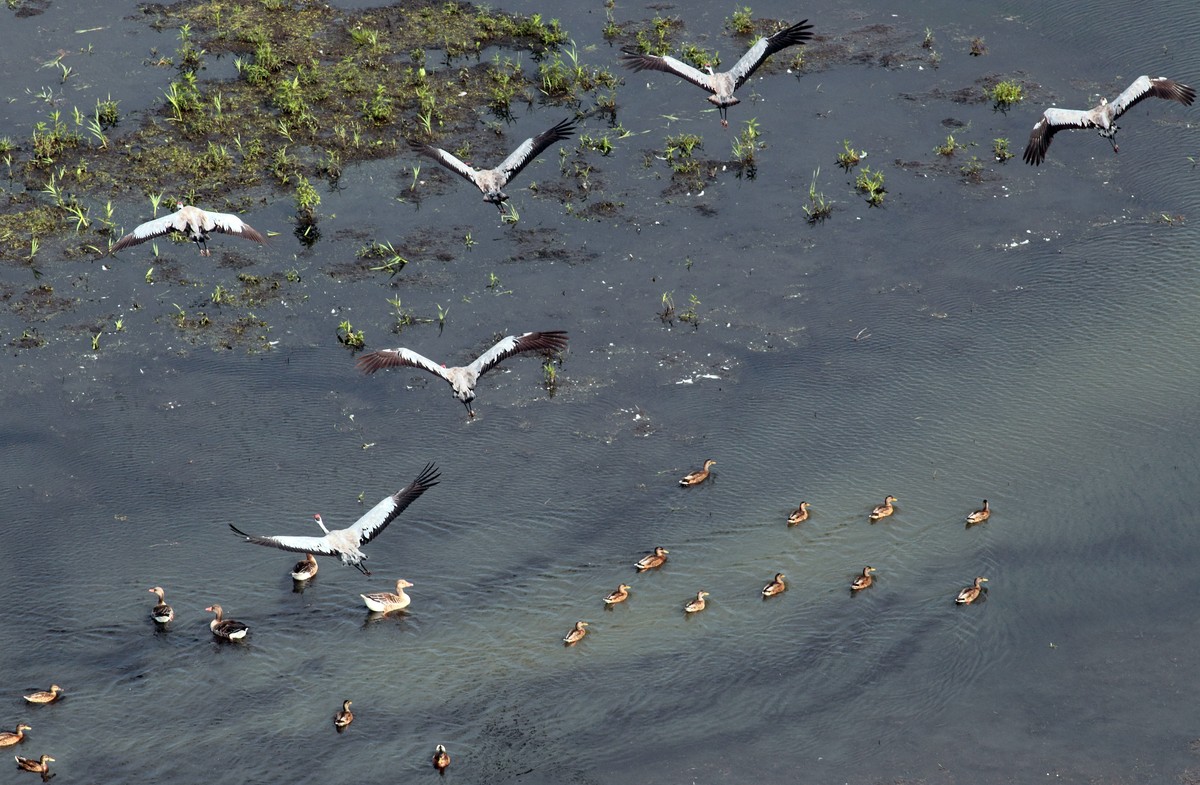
column 1029, row 339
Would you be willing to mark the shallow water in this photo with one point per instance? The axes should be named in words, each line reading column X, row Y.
column 1028, row 339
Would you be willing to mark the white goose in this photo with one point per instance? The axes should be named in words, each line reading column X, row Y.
column 347, row 542
column 723, row 84
column 1104, row 116
column 193, row 222
column 386, row 601
column 226, row 629
column 463, row 378
column 161, row 613
column 492, row 181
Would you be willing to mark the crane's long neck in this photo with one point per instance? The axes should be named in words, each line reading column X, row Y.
column 320, row 523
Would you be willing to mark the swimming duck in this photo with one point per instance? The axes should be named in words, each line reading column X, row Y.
column 305, row 569
column 884, row 510
column 971, row 593
column 8, row 739
column 777, row 586
column 799, row 515
column 620, row 594
column 864, row 580
column 651, row 560
column 697, row 477
column 343, row 717
column 39, row 766
column 441, row 758
column 980, row 515
column 43, row 696
column 226, row 629
column 386, row 602
column 576, row 634
column 696, row 605
column 161, row 613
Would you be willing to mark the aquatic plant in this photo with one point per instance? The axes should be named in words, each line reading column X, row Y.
column 348, row 336
column 393, row 261
column 927, row 43
column 871, row 183
column 741, row 22
column 745, row 145
column 1005, row 94
column 600, row 144
column 655, row 41
column 679, row 152
column 1000, row 150
column 307, row 201
column 849, row 157
column 818, row 208
column 972, row 170
column 667, row 314
column 690, row 315
column 611, row 29
column 949, row 147
column 698, row 57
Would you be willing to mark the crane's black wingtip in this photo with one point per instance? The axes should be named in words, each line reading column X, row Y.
column 239, row 532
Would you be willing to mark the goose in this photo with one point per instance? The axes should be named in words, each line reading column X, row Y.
column 863, row 581
column 656, row 558
column 617, row 595
column 346, row 542
column 161, row 613
column 1104, row 115
column 884, row 510
column 723, row 84
column 576, row 634
column 971, row 593
column 799, row 515
column 698, row 476
column 696, row 605
column 343, row 717
column 40, row 766
column 980, row 515
column 305, row 569
column 226, row 629
column 45, row 696
column 193, row 222
column 776, row 586
column 386, row 602
column 492, row 181
column 7, row 739
column 464, row 378
column 441, row 758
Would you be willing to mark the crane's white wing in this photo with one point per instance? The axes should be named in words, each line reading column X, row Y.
column 1158, row 87
column 379, row 516
column 151, row 229
column 447, row 160
column 392, row 358
column 288, row 543
column 531, row 148
column 553, row 340
column 765, row 47
column 1052, row 121
column 228, row 223
column 634, row 59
